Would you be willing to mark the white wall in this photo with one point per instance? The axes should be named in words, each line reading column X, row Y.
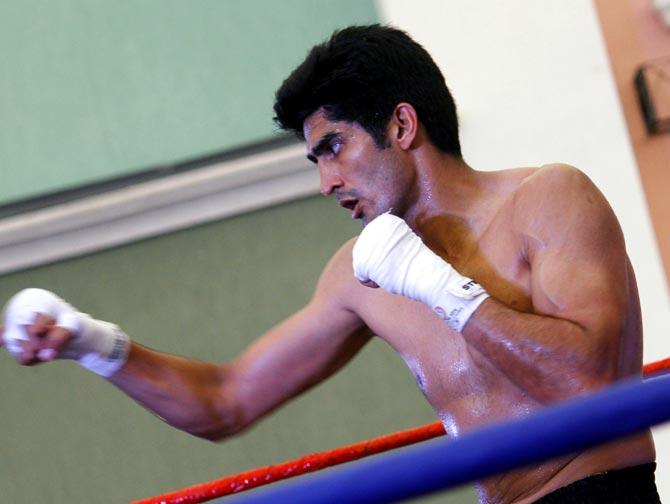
column 533, row 86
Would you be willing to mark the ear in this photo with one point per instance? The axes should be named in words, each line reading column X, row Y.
column 404, row 125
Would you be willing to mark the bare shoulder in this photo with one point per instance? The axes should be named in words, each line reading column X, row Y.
column 558, row 203
column 556, row 179
column 558, row 182
column 558, row 192
column 342, row 258
column 337, row 284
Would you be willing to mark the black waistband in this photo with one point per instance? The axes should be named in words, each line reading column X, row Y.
column 633, row 485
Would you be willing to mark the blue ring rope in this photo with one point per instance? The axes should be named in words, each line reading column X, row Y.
column 625, row 408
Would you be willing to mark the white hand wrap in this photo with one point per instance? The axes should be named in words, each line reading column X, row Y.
column 98, row 346
column 390, row 254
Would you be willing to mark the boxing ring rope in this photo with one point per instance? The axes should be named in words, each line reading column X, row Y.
column 556, row 430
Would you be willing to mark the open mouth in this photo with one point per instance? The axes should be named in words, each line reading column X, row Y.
column 353, row 205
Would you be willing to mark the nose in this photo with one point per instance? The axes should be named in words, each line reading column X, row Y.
column 330, row 179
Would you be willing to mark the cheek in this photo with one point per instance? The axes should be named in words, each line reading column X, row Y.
column 388, row 179
column 383, row 193
column 377, row 177
column 376, row 182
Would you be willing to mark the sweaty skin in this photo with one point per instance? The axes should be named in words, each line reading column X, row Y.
column 563, row 318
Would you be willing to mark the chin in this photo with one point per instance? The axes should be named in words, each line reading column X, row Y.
column 367, row 218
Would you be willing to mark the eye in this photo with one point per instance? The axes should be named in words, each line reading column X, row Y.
column 335, row 147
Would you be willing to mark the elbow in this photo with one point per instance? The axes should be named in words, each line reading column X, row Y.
column 233, row 415
column 600, row 374
column 219, row 426
column 227, row 410
column 223, row 413
column 215, row 435
column 590, row 381
column 587, row 368
column 227, row 427
column 600, row 368
column 575, row 381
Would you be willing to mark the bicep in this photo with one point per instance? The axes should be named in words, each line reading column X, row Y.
column 579, row 264
column 296, row 354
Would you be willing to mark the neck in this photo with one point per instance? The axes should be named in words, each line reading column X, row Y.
column 453, row 204
column 449, row 202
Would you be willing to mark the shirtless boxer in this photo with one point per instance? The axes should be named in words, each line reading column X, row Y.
column 552, row 310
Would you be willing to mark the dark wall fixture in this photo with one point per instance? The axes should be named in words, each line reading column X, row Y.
column 652, row 82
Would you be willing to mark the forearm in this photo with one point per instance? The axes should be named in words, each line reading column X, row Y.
column 204, row 399
column 190, row 395
column 549, row 358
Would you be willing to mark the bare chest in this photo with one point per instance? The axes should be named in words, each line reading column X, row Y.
column 496, row 259
column 445, row 367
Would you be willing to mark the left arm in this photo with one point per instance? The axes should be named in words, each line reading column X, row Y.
column 579, row 289
column 580, row 293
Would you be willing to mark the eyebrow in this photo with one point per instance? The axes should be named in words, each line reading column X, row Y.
column 325, row 142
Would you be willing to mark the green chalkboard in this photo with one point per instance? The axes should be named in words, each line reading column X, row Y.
column 94, row 89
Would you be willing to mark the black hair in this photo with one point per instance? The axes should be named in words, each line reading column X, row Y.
column 359, row 75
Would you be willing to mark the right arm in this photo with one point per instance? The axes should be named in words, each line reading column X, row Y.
column 216, row 400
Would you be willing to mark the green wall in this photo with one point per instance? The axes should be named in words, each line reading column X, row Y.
column 68, row 436
column 93, row 89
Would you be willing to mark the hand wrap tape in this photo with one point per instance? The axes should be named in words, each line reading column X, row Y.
column 98, row 346
column 390, row 254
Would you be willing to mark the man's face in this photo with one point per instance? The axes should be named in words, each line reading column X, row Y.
column 365, row 179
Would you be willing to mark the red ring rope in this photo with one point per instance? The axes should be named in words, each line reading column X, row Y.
column 262, row 476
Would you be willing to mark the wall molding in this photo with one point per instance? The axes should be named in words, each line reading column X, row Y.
column 156, row 207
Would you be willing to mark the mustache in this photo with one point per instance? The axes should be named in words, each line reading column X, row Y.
column 348, row 194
